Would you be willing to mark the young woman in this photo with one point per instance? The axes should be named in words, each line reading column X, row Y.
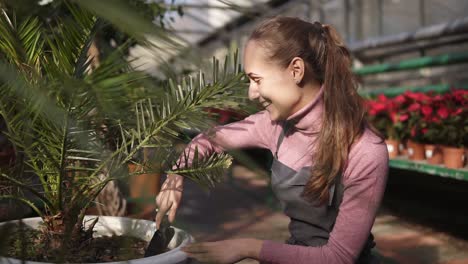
column 330, row 167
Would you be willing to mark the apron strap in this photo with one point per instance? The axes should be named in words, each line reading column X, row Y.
column 285, row 126
column 335, row 188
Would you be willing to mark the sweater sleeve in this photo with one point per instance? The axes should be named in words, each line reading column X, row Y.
column 364, row 184
column 253, row 131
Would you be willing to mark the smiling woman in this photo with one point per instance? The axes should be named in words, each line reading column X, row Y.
column 329, row 168
column 278, row 90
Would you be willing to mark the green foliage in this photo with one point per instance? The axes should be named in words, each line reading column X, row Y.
column 204, row 169
column 71, row 123
column 454, row 131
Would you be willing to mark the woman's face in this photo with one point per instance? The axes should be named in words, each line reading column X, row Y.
column 271, row 85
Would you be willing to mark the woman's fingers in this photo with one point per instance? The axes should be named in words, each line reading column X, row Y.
column 165, row 203
column 162, row 210
column 199, row 252
column 225, row 252
column 173, row 211
column 195, row 248
column 169, row 198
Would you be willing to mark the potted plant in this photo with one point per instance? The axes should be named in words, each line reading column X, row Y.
column 385, row 114
column 432, row 125
column 75, row 128
column 378, row 111
column 454, row 129
column 415, row 128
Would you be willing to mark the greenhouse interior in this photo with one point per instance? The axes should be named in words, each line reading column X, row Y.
column 234, row 131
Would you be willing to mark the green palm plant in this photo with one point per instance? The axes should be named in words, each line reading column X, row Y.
column 71, row 123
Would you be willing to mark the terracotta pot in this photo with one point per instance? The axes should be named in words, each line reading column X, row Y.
column 453, row 157
column 393, row 147
column 433, row 154
column 143, row 189
column 415, row 150
column 402, row 148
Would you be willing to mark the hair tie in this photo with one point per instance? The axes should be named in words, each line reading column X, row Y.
column 321, row 28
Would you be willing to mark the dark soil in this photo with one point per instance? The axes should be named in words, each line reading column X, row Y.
column 25, row 245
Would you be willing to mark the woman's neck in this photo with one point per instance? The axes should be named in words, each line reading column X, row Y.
column 310, row 91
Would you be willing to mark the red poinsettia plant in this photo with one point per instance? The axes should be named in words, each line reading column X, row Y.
column 422, row 117
column 431, row 122
column 384, row 114
column 418, row 108
column 378, row 114
column 400, row 116
column 453, row 113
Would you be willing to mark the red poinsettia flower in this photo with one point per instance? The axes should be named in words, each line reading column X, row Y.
column 457, row 112
column 443, row 112
column 438, row 98
column 460, row 96
column 418, row 97
column 400, row 99
column 414, row 107
column 378, row 107
column 404, row 117
column 370, row 108
column 382, row 98
column 426, row 98
column 426, row 110
column 435, row 119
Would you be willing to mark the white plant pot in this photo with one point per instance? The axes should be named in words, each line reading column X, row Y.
column 111, row 225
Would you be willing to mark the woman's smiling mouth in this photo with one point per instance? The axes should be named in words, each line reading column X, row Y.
column 265, row 104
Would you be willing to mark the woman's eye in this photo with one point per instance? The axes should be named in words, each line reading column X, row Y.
column 257, row 81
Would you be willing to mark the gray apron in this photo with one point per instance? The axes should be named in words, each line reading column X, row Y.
column 310, row 225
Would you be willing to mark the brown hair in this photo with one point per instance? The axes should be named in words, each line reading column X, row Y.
column 328, row 61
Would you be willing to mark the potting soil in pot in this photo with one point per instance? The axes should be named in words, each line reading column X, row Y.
column 28, row 243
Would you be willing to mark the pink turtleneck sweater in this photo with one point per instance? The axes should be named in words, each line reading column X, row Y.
column 364, row 179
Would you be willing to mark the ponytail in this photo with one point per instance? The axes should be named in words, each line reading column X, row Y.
column 342, row 120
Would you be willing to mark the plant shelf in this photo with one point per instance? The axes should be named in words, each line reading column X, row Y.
column 394, row 91
column 411, row 64
column 422, row 166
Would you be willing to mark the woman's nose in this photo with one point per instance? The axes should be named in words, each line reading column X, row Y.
column 253, row 92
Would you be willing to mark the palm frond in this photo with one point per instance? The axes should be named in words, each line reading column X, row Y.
column 160, row 121
column 134, row 24
column 28, row 188
column 206, row 170
column 184, row 105
column 69, row 40
column 70, row 124
column 111, row 87
column 23, row 200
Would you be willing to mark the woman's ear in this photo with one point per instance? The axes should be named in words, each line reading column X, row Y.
column 297, row 68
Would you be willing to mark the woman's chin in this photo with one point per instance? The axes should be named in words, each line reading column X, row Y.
column 275, row 116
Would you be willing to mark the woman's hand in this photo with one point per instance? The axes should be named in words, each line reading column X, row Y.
column 169, row 197
column 226, row 251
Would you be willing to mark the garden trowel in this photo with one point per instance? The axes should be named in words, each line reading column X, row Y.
column 160, row 239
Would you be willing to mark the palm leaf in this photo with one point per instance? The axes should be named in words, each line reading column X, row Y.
column 71, row 124
column 162, row 120
column 70, row 40
column 206, row 170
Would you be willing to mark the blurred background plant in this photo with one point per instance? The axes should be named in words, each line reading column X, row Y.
column 422, row 117
column 76, row 116
column 453, row 113
column 387, row 116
